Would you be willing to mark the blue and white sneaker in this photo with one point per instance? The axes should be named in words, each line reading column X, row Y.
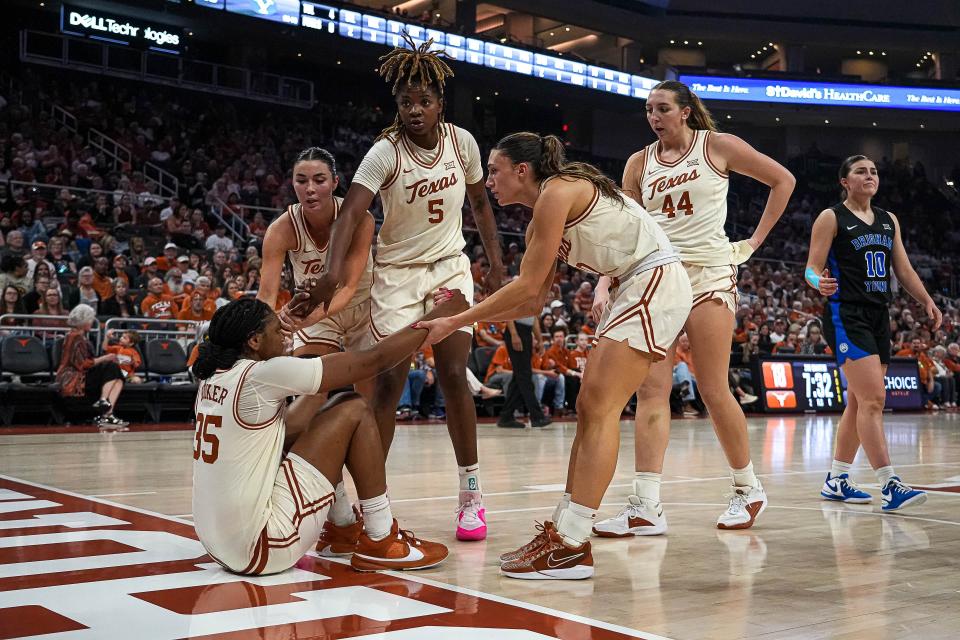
column 897, row 495
column 842, row 489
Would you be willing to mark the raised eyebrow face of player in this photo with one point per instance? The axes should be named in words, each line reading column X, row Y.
column 316, row 171
column 416, row 103
column 864, row 171
column 661, row 104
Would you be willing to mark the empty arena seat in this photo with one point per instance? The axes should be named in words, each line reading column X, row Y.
column 166, row 358
column 482, row 357
column 27, row 379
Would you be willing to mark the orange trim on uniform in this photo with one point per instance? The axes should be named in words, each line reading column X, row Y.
column 693, row 143
column 706, row 154
column 456, row 149
column 397, row 166
column 413, row 155
column 643, row 170
column 236, row 405
column 710, row 296
column 580, row 218
column 643, row 300
column 260, row 556
column 296, row 228
column 305, row 339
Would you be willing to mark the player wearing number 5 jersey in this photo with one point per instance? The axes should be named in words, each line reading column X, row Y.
column 264, row 471
column 681, row 180
column 423, row 168
column 859, row 244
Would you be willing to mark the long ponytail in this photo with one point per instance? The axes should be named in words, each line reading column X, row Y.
column 232, row 325
column 700, row 118
column 547, row 157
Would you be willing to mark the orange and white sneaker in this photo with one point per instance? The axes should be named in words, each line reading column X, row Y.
column 552, row 560
column 339, row 542
column 399, row 551
column 538, row 540
column 640, row 517
column 746, row 505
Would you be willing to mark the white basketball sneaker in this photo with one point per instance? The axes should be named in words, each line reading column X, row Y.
column 746, row 505
column 640, row 517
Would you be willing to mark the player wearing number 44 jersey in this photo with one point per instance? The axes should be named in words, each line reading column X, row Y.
column 859, row 244
column 264, row 471
column 423, row 168
column 682, row 180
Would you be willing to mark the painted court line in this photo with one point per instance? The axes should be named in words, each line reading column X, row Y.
column 406, row 576
column 120, row 495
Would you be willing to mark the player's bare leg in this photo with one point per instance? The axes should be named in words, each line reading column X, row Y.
column 344, row 431
column 615, row 370
column 709, row 328
column 643, row 514
column 388, row 387
column 451, row 357
column 343, row 525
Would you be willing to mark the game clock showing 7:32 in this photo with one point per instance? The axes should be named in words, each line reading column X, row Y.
column 796, row 385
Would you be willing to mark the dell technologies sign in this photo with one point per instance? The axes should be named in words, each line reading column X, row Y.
column 101, row 25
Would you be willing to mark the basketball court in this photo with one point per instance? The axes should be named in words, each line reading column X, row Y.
column 96, row 542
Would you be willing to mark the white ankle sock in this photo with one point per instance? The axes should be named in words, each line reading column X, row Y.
column 470, row 477
column 744, row 477
column 884, row 474
column 576, row 524
column 377, row 517
column 341, row 512
column 839, row 467
column 561, row 507
column 646, row 485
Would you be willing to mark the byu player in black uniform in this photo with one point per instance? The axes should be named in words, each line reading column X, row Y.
column 860, row 244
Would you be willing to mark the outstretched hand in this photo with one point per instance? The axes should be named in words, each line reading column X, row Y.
column 440, row 323
column 320, row 292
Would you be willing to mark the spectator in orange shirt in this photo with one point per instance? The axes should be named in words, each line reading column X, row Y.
column 583, row 300
column 169, row 258
column 128, row 357
column 788, row 345
column 545, row 378
column 918, row 350
column 101, row 278
column 489, row 334
column 581, row 353
column 197, row 309
column 563, row 362
column 500, row 371
column 203, row 287
column 158, row 304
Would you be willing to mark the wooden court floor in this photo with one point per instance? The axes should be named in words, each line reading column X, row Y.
column 808, row 569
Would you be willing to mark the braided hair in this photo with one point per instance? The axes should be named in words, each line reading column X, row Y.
column 231, row 327
column 417, row 66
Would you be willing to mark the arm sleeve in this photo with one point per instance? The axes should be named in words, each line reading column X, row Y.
column 470, row 152
column 277, row 378
column 378, row 166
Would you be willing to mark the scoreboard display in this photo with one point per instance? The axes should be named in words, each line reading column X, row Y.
column 801, row 385
column 795, row 384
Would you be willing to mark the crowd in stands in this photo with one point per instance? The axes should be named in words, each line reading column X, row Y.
column 100, row 234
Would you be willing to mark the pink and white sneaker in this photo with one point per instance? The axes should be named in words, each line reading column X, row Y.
column 471, row 521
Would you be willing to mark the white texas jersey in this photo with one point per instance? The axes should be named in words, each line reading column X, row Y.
column 310, row 261
column 423, row 193
column 688, row 199
column 238, row 447
column 611, row 239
